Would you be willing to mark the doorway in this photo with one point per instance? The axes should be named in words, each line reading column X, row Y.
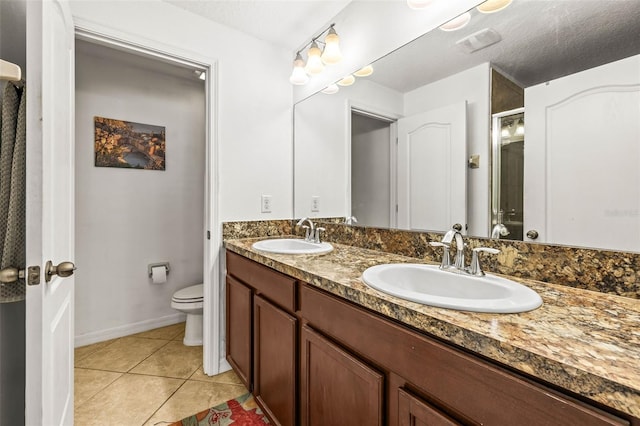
column 507, row 212
column 373, row 169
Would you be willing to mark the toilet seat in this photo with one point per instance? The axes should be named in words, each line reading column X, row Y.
column 192, row 294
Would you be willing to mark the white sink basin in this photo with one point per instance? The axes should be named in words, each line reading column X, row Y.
column 292, row 246
column 429, row 285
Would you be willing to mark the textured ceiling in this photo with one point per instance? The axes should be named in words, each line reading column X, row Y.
column 541, row 40
column 286, row 23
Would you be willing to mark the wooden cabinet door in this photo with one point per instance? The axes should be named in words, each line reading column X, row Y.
column 275, row 344
column 337, row 389
column 239, row 329
column 415, row 412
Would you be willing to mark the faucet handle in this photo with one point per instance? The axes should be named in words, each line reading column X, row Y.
column 446, row 261
column 316, row 238
column 307, row 232
column 475, row 268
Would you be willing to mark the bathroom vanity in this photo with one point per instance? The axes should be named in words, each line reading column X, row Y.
column 315, row 345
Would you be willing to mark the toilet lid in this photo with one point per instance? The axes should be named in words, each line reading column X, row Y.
column 189, row 294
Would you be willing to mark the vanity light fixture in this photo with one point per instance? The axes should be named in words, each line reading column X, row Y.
column 419, row 4
column 457, row 23
column 298, row 75
column 316, row 57
column 330, row 89
column 314, row 62
column 364, row 71
column 491, row 6
column 347, row 81
column 520, row 127
column 331, row 54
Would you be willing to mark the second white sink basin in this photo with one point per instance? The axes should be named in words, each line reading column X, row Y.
column 429, row 285
column 292, row 246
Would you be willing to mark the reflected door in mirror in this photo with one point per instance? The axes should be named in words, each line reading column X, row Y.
column 583, row 145
column 432, row 169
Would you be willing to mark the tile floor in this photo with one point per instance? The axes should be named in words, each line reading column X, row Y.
column 146, row 379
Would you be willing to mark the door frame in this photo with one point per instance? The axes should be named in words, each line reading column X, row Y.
column 382, row 115
column 99, row 34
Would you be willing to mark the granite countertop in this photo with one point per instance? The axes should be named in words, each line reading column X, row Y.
column 583, row 341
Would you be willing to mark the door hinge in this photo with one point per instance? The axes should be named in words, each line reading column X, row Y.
column 396, row 208
column 33, row 275
column 208, row 235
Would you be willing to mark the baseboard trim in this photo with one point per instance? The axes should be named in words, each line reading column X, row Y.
column 128, row 329
column 224, row 366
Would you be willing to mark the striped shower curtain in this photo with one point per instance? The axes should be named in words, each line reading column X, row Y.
column 12, row 187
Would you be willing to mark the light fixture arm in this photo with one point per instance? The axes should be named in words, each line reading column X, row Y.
column 316, row 39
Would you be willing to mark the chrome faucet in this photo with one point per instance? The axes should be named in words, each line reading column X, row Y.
column 310, row 233
column 458, row 266
column 448, row 238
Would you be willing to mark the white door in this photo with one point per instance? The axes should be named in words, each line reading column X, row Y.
column 432, row 169
column 50, row 212
column 581, row 176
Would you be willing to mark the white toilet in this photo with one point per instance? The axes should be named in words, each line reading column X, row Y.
column 189, row 301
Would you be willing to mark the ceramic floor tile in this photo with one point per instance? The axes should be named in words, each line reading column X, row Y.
column 193, row 397
column 130, row 400
column 169, row 332
column 84, row 351
column 180, row 336
column 173, row 360
column 87, row 383
column 122, row 355
column 229, row 377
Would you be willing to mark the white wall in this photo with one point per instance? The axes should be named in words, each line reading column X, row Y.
column 369, row 30
column 12, row 315
column 472, row 85
column 126, row 218
column 322, row 149
column 253, row 97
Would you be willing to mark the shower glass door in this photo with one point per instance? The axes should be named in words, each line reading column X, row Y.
column 507, row 175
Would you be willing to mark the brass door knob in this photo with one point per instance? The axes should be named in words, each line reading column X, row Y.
column 10, row 275
column 63, row 270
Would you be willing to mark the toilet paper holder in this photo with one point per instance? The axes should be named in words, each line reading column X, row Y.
column 154, row 265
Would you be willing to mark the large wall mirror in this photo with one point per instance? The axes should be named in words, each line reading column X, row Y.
column 426, row 141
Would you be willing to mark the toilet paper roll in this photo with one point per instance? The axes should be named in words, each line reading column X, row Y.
column 159, row 274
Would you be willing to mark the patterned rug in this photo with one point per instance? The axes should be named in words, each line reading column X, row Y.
column 241, row 411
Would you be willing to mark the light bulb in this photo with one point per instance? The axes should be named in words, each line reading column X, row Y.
column 491, row 6
column 505, row 132
column 331, row 89
column 364, row 71
column 298, row 75
column 520, row 128
column 314, row 63
column 331, row 54
column 347, row 81
column 418, row 4
column 457, row 22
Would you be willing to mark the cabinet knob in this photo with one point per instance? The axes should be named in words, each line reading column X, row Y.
column 532, row 234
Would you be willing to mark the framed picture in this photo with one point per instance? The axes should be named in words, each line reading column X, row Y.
column 130, row 145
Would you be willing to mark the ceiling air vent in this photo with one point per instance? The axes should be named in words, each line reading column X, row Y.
column 479, row 40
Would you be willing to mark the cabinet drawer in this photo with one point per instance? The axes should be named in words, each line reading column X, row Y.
column 466, row 385
column 272, row 285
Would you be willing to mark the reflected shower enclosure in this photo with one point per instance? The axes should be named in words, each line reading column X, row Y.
column 508, row 134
